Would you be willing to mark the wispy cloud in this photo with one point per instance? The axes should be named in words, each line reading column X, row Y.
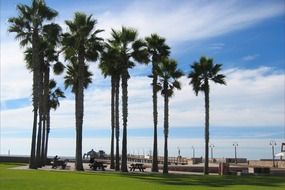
column 250, row 57
column 217, row 46
column 189, row 20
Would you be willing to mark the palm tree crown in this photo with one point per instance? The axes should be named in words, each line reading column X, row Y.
column 168, row 77
column 71, row 77
column 157, row 48
column 203, row 71
column 30, row 19
column 82, row 38
column 54, row 95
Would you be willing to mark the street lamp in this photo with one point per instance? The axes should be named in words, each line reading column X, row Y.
column 178, row 149
column 193, row 150
column 212, row 147
column 273, row 144
column 235, row 145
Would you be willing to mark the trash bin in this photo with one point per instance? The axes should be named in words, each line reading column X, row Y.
column 223, row 168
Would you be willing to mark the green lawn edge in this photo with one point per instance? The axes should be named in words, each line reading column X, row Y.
column 11, row 179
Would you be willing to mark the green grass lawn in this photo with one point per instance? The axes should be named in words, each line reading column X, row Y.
column 59, row 180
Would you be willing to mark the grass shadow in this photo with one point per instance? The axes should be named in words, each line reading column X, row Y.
column 210, row 181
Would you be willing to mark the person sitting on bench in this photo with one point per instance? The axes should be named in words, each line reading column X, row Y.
column 55, row 162
column 92, row 160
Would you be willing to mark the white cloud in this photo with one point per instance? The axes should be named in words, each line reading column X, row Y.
column 16, row 80
column 252, row 97
column 178, row 22
column 188, row 20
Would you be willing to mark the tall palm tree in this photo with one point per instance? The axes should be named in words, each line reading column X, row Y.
column 49, row 39
column 28, row 26
column 203, row 72
column 80, row 44
column 130, row 48
column 168, row 81
column 110, row 67
column 157, row 50
column 53, row 103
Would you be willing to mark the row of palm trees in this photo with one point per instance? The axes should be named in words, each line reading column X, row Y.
column 40, row 37
column 80, row 44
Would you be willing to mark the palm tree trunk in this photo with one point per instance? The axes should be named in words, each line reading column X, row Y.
column 117, row 101
column 165, row 163
column 46, row 98
column 38, row 154
column 40, row 131
column 207, row 99
column 35, row 60
column 154, row 99
column 47, row 133
column 112, row 121
column 79, row 110
column 43, row 141
column 124, row 167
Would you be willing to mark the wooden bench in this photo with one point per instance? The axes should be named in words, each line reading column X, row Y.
column 62, row 163
column 261, row 170
column 98, row 165
column 138, row 166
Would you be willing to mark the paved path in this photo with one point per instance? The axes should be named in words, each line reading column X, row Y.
column 71, row 167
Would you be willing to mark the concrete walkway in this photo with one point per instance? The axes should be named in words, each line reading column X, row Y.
column 71, row 167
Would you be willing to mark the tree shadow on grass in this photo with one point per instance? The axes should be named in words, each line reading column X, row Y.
column 211, row 181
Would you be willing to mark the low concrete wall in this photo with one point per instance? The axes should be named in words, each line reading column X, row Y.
column 266, row 163
column 233, row 160
column 18, row 159
column 212, row 169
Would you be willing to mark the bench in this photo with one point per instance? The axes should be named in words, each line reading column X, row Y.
column 261, row 170
column 97, row 165
column 140, row 167
column 62, row 163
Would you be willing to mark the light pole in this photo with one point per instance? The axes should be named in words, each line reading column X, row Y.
column 193, row 150
column 178, row 149
column 235, row 145
column 212, row 147
column 273, row 144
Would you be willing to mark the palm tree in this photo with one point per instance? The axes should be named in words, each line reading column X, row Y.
column 129, row 48
column 168, row 81
column 110, row 67
column 28, row 26
column 49, row 39
column 80, row 44
column 157, row 50
column 203, row 72
column 53, row 103
column 71, row 80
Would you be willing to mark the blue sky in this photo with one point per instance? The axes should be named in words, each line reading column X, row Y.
column 247, row 37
